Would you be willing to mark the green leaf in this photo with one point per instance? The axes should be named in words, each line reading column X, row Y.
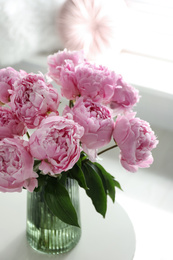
column 79, row 163
column 108, row 181
column 42, row 179
column 59, row 202
column 117, row 184
column 36, row 165
column 63, row 178
column 77, row 174
column 96, row 190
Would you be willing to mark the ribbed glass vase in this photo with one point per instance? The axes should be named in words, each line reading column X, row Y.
column 46, row 232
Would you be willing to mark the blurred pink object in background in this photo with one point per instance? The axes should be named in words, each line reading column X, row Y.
column 92, row 25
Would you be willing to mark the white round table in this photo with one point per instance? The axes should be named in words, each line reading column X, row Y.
column 112, row 238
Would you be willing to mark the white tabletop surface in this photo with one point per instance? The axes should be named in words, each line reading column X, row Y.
column 111, row 238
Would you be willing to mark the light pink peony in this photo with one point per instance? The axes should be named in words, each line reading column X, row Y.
column 8, row 76
column 135, row 139
column 95, row 82
column 97, row 122
column 61, row 68
column 33, row 98
column 57, row 61
column 16, row 166
column 56, row 142
column 124, row 97
column 10, row 124
column 68, row 82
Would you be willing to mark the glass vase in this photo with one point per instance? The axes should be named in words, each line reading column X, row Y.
column 46, row 232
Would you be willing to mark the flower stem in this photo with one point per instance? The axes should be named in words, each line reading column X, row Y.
column 71, row 104
column 28, row 135
column 109, row 148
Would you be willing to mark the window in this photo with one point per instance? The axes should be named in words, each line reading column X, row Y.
column 149, row 27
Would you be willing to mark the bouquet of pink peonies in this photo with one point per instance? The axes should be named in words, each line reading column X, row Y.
column 61, row 146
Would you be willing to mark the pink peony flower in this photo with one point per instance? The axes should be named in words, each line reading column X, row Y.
column 32, row 98
column 57, row 61
column 8, row 76
column 135, row 139
column 97, row 122
column 95, row 82
column 61, row 68
column 56, row 142
column 124, row 97
column 68, row 82
column 10, row 124
column 16, row 166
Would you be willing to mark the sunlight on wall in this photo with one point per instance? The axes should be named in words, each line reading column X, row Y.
column 146, row 57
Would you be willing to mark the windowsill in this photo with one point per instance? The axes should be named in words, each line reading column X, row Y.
column 139, row 70
column 148, row 72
